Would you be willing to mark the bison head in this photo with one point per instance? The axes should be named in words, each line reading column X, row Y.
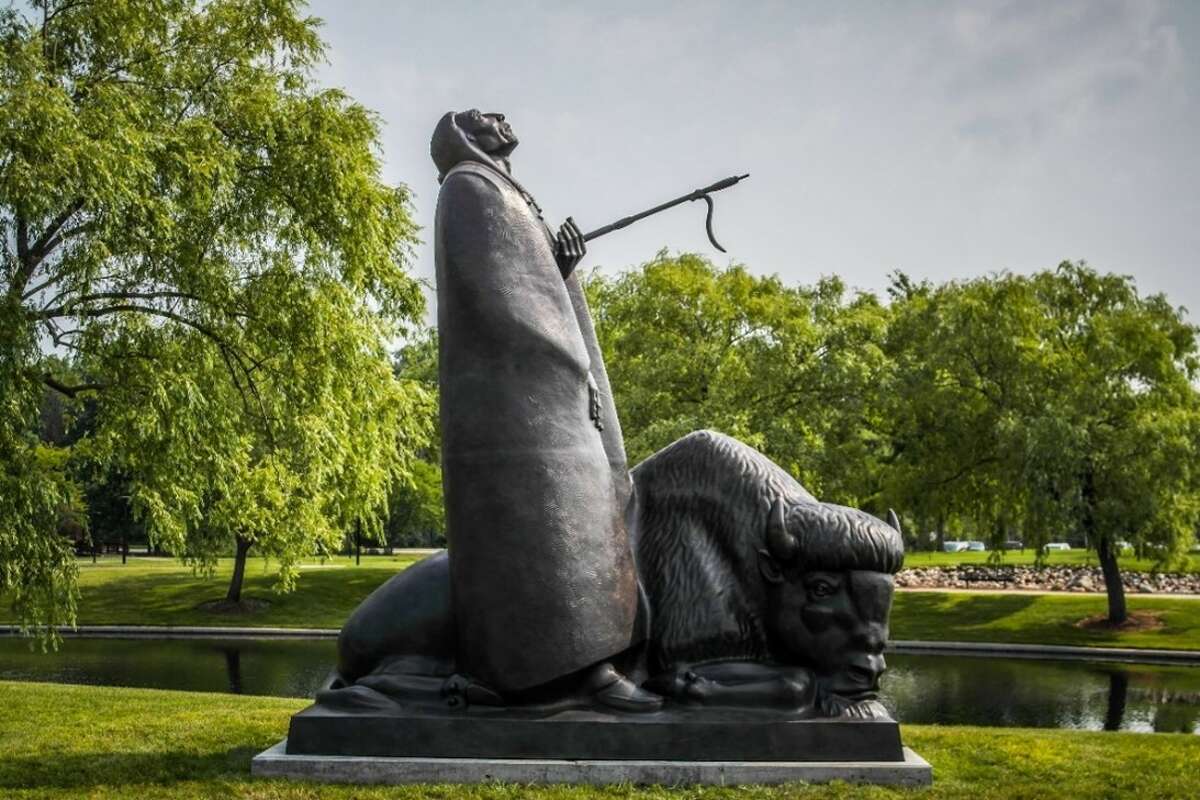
column 829, row 576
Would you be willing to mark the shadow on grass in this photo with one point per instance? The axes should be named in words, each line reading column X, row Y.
column 919, row 615
column 86, row 770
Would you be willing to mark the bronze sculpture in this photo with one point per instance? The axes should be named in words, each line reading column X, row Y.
column 584, row 611
column 534, row 470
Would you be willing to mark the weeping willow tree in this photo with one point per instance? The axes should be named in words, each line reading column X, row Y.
column 202, row 237
column 1062, row 403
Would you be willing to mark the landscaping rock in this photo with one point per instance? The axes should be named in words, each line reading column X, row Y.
column 1049, row 579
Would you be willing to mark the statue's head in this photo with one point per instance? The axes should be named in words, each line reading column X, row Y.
column 472, row 136
column 829, row 575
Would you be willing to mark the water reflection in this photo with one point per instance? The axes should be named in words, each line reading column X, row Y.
column 233, row 667
column 287, row 667
column 949, row 690
column 1118, row 694
column 956, row 690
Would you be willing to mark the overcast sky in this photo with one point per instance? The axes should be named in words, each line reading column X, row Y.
column 946, row 140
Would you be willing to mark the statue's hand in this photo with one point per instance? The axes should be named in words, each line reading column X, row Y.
column 569, row 247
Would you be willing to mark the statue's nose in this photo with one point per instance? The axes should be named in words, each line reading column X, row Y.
column 867, row 668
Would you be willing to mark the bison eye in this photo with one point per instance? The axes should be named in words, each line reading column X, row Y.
column 822, row 588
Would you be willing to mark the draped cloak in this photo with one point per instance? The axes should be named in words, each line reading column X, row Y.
column 543, row 581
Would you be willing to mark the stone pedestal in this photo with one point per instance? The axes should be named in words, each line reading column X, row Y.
column 679, row 734
column 682, row 745
column 910, row 770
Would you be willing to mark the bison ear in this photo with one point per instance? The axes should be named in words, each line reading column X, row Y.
column 769, row 567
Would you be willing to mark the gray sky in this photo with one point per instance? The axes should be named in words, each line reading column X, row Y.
column 947, row 140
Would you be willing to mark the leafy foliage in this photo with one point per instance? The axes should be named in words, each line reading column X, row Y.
column 1060, row 403
column 416, row 514
column 205, row 234
column 788, row 370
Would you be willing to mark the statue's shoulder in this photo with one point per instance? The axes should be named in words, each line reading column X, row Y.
column 471, row 175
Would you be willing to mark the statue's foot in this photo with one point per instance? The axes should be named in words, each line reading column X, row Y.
column 610, row 688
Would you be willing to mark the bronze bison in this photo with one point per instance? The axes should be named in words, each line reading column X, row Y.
column 759, row 593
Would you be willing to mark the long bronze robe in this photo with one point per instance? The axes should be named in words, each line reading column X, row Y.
column 542, row 576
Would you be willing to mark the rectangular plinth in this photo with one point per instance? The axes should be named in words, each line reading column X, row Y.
column 911, row 770
column 698, row 735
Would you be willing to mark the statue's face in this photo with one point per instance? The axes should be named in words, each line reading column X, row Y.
column 490, row 132
column 837, row 624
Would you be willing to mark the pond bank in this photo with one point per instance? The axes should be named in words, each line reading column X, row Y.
column 1121, row 654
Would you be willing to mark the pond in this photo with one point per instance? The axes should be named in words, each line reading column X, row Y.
column 942, row 689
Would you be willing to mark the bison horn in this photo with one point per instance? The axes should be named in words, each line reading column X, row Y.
column 781, row 543
column 893, row 520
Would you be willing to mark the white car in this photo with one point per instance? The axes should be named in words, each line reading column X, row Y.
column 954, row 547
column 1056, row 546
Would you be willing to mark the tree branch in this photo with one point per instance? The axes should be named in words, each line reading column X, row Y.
column 22, row 238
column 30, row 256
column 71, row 391
column 43, row 285
column 65, row 7
column 47, row 241
column 69, row 311
column 226, row 349
column 156, row 295
column 68, row 308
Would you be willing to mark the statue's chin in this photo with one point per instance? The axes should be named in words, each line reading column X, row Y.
column 505, row 150
column 852, row 693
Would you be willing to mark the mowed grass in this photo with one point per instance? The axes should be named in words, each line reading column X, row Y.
column 1068, row 558
column 163, row 592
column 76, row 741
column 1028, row 618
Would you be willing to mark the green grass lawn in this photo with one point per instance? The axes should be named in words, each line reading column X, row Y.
column 163, row 592
column 1038, row 619
column 1069, row 558
column 76, row 741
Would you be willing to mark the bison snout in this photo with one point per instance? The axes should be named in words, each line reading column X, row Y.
column 865, row 670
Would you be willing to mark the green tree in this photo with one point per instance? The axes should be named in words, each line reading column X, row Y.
column 1061, row 402
column 416, row 514
column 205, row 234
column 791, row 371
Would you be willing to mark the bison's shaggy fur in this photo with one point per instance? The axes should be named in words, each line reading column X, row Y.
column 703, row 508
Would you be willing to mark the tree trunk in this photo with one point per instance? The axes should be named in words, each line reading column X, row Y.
column 1117, row 611
column 1107, row 552
column 234, row 595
